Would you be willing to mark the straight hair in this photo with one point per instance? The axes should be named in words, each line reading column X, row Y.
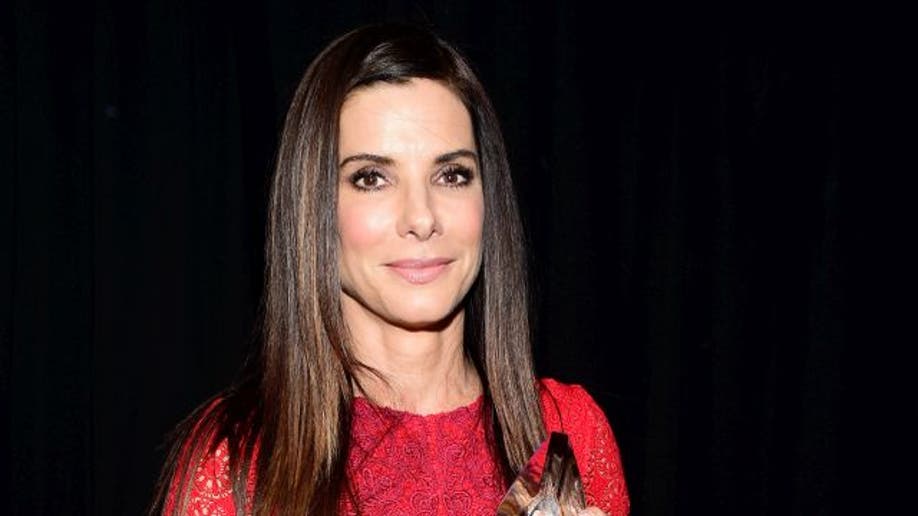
column 286, row 419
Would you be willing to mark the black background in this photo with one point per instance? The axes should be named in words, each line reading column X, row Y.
column 699, row 195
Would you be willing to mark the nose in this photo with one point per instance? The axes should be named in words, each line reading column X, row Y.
column 418, row 217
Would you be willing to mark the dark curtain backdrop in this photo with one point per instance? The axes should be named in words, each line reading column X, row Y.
column 694, row 193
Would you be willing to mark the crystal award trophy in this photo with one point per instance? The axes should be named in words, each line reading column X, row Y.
column 558, row 491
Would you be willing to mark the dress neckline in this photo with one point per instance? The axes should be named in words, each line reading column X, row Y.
column 365, row 406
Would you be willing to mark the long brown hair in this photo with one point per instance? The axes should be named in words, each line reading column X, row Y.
column 293, row 397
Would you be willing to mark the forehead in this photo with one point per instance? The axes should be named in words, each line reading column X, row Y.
column 421, row 114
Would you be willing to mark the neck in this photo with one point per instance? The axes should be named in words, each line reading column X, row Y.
column 423, row 371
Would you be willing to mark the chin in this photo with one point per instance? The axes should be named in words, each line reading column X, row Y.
column 424, row 315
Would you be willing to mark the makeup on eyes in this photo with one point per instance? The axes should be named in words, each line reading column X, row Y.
column 461, row 175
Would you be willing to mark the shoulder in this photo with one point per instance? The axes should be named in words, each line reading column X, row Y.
column 567, row 407
column 203, row 476
column 570, row 409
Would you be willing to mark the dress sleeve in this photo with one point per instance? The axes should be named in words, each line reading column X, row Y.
column 604, row 479
column 211, row 490
column 570, row 409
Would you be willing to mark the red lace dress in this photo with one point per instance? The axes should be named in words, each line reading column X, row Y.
column 403, row 463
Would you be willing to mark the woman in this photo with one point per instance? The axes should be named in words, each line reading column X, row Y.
column 395, row 373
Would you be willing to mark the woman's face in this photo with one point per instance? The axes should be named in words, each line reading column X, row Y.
column 410, row 203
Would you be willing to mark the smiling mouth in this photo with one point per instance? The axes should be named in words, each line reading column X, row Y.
column 419, row 272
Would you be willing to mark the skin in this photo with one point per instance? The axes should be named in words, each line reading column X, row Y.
column 422, row 199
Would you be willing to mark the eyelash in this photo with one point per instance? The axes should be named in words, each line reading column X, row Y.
column 459, row 170
column 365, row 173
column 464, row 172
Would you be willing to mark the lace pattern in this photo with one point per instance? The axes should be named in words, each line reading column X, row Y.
column 402, row 463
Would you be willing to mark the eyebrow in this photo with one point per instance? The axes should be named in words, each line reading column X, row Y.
column 387, row 161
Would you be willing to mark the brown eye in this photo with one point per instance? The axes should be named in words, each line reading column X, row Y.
column 368, row 179
column 455, row 176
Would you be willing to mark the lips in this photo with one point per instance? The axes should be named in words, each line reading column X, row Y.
column 419, row 271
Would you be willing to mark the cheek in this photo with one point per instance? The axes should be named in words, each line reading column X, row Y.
column 360, row 227
column 468, row 221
